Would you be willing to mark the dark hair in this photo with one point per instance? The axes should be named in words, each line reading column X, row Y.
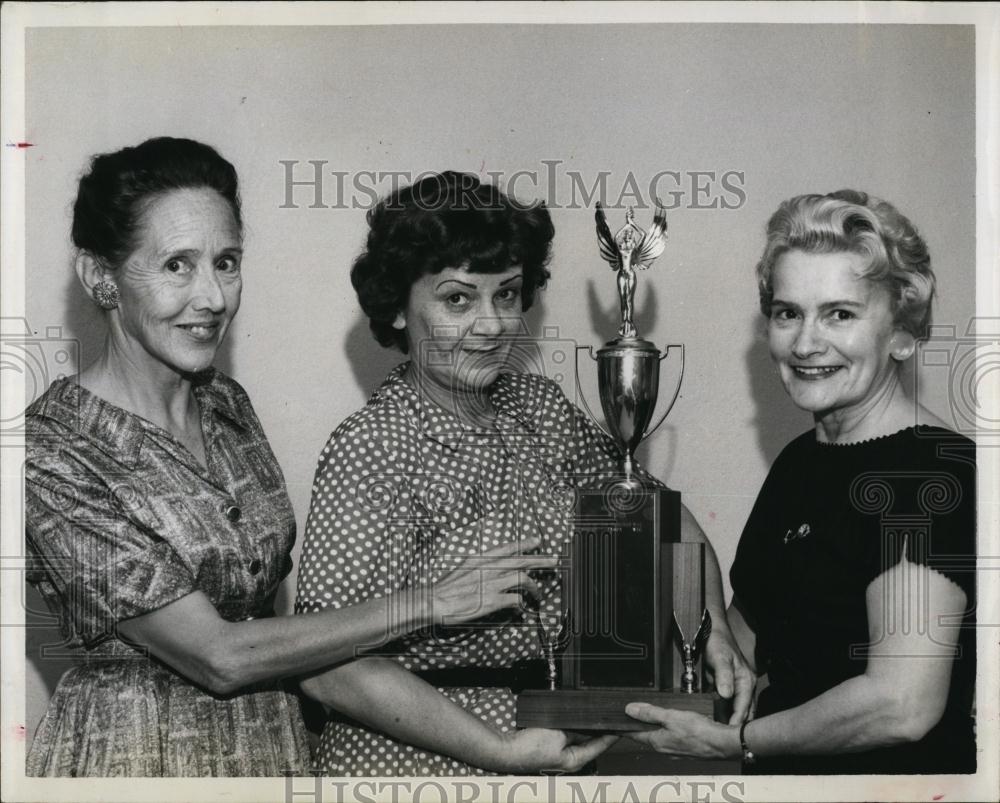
column 852, row 221
column 446, row 220
column 120, row 185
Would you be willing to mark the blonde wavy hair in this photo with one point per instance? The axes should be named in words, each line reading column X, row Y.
column 852, row 221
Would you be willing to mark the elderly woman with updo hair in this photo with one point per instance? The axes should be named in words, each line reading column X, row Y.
column 854, row 580
column 158, row 524
column 458, row 450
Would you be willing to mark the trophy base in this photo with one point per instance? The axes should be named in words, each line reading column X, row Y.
column 604, row 709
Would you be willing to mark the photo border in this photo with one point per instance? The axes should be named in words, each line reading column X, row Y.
column 18, row 17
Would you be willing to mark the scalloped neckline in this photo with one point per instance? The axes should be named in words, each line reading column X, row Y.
column 877, row 438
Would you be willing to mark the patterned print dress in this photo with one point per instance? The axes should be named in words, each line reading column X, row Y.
column 403, row 490
column 121, row 520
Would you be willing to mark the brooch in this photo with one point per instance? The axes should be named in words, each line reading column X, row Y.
column 802, row 532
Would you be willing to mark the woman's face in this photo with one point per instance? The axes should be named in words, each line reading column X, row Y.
column 458, row 326
column 181, row 286
column 830, row 333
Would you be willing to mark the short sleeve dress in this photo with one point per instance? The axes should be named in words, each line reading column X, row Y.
column 829, row 519
column 401, row 486
column 121, row 520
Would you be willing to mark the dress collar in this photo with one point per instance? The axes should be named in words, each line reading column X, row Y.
column 514, row 397
column 216, row 394
column 118, row 432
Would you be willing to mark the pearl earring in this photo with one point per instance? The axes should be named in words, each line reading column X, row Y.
column 901, row 346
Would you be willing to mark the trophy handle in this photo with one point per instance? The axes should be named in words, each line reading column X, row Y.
column 649, row 431
column 579, row 389
column 705, row 630
column 678, row 634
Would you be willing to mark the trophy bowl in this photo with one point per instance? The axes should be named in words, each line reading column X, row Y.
column 628, row 375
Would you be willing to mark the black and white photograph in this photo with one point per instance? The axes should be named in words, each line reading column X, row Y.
column 548, row 401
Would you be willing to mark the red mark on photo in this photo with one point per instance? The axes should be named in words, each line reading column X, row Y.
column 20, row 144
column 711, row 515
column 19, row 732
column 937, row 797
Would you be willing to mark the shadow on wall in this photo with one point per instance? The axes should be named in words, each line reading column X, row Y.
column 776, row 419
column 369, row 361
column 83, row 321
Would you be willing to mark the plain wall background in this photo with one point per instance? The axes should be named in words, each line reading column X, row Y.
column 794, row 108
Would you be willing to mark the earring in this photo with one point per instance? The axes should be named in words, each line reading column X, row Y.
column 106, row 295
column 901, row 346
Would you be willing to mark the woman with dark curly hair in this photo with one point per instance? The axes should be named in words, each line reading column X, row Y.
column 158, row 524
column 452, row 454
column 854, row 581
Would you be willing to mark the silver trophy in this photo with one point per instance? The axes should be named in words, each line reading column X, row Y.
column 628, row 367
column 629, row 579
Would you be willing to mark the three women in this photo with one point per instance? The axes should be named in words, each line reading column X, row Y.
column 160, row 528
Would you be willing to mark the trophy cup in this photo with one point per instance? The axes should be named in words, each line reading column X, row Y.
column 632, row 590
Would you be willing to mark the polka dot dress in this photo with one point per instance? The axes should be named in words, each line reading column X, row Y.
column 402, row 494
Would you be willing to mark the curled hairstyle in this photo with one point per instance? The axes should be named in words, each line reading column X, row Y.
column 120, row 186
column 446, row 220
column 851, row 221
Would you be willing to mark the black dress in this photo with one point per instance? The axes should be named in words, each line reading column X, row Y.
column 828, row 520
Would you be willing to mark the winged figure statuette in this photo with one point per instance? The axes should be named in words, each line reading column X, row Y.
column 630, row 248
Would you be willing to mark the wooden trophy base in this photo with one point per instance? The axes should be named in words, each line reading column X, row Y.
column 603, row 710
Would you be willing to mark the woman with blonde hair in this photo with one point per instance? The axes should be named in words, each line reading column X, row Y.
column 854, row 580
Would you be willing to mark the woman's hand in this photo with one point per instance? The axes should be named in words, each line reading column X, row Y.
column 685, row 733
column 486, row 583
column 733, row 676
column 534, row 750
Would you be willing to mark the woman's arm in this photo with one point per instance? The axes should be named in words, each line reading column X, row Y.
column 381, row 694
column 899, row 698
column 734, row 677
column 223, row 656
column 743, row 633
column 349, row 526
